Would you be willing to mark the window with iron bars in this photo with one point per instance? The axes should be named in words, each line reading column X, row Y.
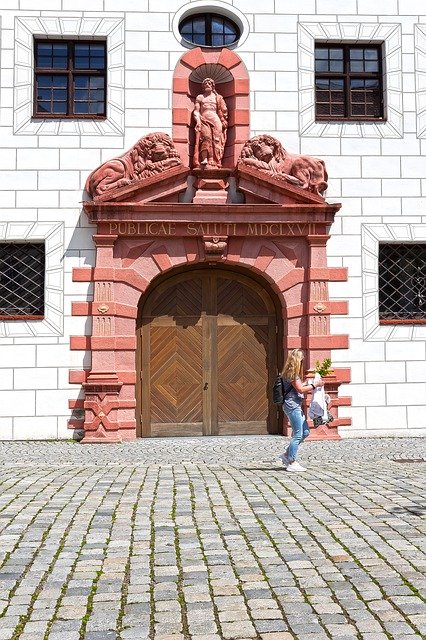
column 22, row 281
column 402, row 283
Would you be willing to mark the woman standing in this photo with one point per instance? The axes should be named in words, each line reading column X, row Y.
column 292, row 407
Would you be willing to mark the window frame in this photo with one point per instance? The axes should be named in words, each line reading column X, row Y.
column 42, row 285
column 347, row 75
column 70, row 72
column 207, row 16
column 384, row 245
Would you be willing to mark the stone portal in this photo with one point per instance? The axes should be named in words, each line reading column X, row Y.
column 205, row 276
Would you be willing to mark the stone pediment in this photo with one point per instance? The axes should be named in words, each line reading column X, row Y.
column 260, row 187
column 151, row 172
column 160, row 187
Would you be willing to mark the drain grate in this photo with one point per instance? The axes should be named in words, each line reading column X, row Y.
column 409, row 460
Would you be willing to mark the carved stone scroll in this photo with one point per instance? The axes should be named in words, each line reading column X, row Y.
column 267, row 154
column 151, row 155
column 215, row 247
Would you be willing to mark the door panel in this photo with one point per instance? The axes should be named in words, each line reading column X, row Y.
column 176, row 380
column 242, row 378
column 208, row 348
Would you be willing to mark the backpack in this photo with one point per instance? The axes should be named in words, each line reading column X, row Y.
column 279, row 391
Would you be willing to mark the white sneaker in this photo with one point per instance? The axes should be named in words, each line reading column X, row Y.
column 283, row 458
column 293, row 467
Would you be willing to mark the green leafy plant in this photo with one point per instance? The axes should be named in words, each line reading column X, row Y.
column 324, row 367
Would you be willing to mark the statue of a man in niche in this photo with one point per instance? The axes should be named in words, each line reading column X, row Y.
column 211, row 124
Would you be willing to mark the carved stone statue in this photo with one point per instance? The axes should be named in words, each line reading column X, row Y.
column 211, row 123
column 152, row 154
column 267, row 154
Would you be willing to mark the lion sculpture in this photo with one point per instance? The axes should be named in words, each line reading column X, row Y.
column 152, row 154
column 267, row 154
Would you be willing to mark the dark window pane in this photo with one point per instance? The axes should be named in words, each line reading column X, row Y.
column 81, row 82
column 371, row 54
column 81, row 107
column 59, row 94
column 81, row 94
column 372, row 66
column 82, row 62
column 217, row 40
column 44, row 62
column 356, row 54
column 43, row 107
column 321, row 65
column 229, row 39
column 43, row 48
column 322, row 83
column 321, row 54
column 97, row 83
column 60, row 49
column 81, row 50
column 336, row 84
column 59, row 107
column 199, row 38
column 96, row 107
column 338, row 110
column 229, row 29
column 336, row 66
column 217, row 25
column 357, row 66
column 97, row 63
column 336, row 54
column 43, row 94
column 59, row 62
column 198, row 25
column 372, row 84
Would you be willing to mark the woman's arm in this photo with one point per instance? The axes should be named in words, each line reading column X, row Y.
column 306, row 387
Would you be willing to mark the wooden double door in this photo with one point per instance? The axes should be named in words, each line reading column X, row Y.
column 207, row 355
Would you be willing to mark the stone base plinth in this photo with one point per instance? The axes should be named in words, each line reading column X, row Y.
column 211, row 184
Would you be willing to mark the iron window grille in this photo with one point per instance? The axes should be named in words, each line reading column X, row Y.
column 402, row 283
column 348, row 82
column 22, row 281
column 70, row 79
column 209, row 30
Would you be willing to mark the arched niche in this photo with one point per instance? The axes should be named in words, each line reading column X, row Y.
column 232, row 82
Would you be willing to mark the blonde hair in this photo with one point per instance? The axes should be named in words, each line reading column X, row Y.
column 293, row 366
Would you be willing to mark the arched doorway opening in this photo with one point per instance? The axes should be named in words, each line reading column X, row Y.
column 208, row 350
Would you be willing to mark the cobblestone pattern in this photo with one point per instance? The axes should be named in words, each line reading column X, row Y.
column 213, row 450
column 100, row 548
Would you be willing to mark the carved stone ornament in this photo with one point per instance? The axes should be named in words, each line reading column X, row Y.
column 103, row 308
column 215, row 247
column 152, row 154
column 320, row 307
column 267, row 154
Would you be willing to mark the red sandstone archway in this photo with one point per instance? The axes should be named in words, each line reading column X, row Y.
column 209, row 348
column 191, row 68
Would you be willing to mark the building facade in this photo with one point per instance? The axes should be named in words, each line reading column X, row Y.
column 152, row 278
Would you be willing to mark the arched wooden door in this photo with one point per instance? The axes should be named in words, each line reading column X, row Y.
column 207, row 356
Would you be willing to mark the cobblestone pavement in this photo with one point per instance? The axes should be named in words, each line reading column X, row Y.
column 209, row 538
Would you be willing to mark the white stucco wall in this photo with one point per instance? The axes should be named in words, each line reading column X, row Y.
column 377, row 172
